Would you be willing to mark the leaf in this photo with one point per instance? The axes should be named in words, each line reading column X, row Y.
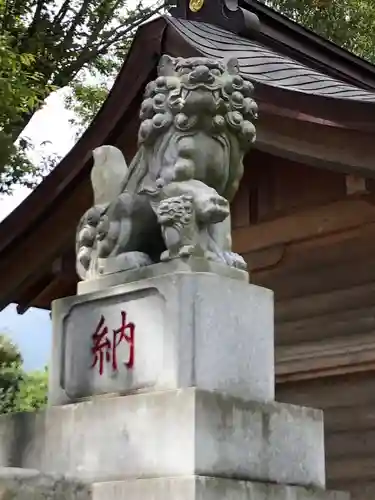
column 47, row 46
column 19, row 391
column 348, row 23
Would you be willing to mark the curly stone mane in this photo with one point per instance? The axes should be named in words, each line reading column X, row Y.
column 191, row 96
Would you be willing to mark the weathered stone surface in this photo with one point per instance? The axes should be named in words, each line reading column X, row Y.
column 28, row 484
column 206, row 488
column 190, row 329
column 173, row 433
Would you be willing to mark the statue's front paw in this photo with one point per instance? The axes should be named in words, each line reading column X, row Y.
column 165, row 256
column 235, row 260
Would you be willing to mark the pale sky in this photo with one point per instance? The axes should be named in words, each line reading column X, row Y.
column 49, row 124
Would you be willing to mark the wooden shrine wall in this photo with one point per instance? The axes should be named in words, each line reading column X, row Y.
column 311, row 242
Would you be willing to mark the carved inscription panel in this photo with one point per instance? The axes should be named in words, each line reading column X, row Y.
column 113, row 344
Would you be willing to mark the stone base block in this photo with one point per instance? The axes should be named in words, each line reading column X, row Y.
column 206, row 488
column 186, row 265
column 179, row 330
column 26, row 484
column 174, row 433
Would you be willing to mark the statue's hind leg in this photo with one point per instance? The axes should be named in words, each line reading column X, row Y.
column 133, row 227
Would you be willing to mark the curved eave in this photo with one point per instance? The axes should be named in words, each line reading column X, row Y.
column 266, row 67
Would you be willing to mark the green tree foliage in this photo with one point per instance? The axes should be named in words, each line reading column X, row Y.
column 20, row 92
column 47, row 45
column 11, row 374
column 19, row 391
column 32, row 394
column 348, row 23
column 85, row 100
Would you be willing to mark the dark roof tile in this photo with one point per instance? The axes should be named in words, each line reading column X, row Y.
column 263, row 65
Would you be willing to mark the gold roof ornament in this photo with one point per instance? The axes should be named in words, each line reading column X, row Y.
column 196, row 5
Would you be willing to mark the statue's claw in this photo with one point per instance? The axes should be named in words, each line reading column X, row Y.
column 235, row 260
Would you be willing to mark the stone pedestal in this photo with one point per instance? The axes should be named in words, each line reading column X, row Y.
column 170, row 380
column 188, row 330
column 171, row 433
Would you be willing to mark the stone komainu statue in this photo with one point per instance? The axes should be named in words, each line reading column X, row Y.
column 173, row 200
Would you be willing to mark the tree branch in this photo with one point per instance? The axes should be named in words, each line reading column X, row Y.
column 61, row 13
column 7, row 16
column 92, row 52
column 36, row 18
column 75, row 22
column 100, row 25
column 122, row 33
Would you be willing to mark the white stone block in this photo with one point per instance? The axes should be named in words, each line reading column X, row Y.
column 173, row 433
column 189, row 329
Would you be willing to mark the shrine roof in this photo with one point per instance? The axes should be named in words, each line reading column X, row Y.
column 263, row 65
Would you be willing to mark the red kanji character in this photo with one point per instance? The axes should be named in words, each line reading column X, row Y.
column 119, row 335
column 105, row 350
column 102, row 345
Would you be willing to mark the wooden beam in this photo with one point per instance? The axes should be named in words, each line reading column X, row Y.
column 25, row 297
column 355, row 185
column 61, row 281
column 312, row 223
column 331, row 357
column 349, row 418
column 265, row 258
column 322, row 304
column 352, row 469
column 57, row 288
column 352, row 390
column 340, row 323
column 317, row 143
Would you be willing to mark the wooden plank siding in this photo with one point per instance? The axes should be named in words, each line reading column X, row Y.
column 314, row 246
column 348, row 402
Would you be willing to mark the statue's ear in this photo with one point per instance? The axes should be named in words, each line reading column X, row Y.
column 166, row 66
column 233, row 67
